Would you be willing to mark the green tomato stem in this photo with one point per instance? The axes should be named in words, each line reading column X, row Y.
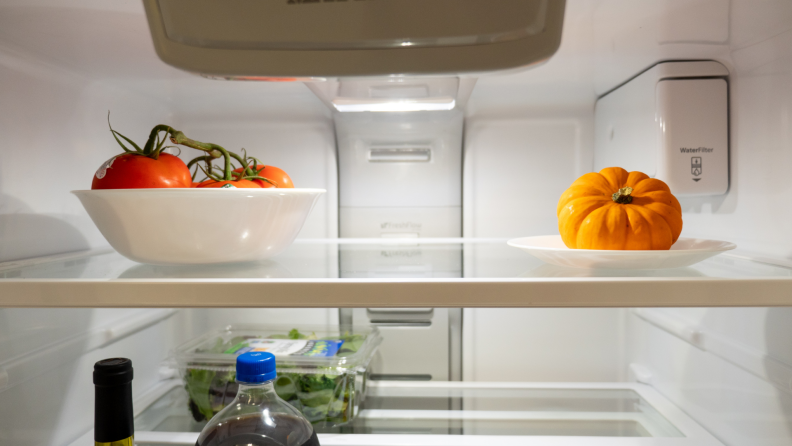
column 178, row 137
column 155, row 145
column 257, row 177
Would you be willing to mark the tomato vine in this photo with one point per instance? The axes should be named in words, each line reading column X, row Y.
column 156, row 144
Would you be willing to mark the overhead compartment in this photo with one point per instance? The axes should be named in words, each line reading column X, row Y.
column 250, row 39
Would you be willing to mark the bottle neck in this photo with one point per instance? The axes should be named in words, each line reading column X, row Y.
column 256, row 393
column 113, row 416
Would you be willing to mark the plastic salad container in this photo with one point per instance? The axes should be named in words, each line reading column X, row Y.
column 322, row 371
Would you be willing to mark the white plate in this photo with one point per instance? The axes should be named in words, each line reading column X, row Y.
column 199, row 226
column 685, row 252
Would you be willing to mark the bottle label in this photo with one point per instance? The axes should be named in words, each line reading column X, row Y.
column 288, row 347
column 125, row 442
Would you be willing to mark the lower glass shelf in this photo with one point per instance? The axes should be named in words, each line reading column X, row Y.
column 453, row 413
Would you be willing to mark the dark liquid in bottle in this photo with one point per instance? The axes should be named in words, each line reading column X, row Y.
column 247, row 431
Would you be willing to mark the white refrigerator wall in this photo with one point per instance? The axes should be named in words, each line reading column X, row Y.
column 53, row 129
column 514, row 172
column 735, row 377
column 63, row 64
column 47, row 392
column 528, row 136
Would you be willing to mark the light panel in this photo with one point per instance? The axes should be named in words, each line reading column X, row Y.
column 390, row 105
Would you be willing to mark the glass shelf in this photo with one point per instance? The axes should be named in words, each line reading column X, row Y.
column 478, row 410
column 352, row 272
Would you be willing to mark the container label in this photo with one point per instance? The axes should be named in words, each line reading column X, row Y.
column 103, row 168
column 288, row 347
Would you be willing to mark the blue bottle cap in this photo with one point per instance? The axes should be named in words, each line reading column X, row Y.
column 255, row 367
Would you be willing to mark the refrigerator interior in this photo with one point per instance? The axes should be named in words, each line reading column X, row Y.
column 527, row 135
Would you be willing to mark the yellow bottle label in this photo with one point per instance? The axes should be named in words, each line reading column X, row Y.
column 125, row 442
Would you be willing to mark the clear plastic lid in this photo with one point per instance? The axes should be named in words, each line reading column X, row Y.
column 300, row 349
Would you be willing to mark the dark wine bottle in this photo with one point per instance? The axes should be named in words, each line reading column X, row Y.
column 113, row 422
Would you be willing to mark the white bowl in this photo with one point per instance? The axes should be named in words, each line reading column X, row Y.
column 199, row 226
column 685, row 252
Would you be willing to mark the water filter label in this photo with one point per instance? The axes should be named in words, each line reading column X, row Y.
column 288, row 347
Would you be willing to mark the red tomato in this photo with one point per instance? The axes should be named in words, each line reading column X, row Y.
column 240, row 184
column 133, row 171
column 203, row 183
column 277, row 176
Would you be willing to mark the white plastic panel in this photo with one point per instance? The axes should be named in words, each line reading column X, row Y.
column 401, row 222
column 543, row 345
column 400, row 174
column 367, row 183
column 416, row 347
column 626, row 129
column 515, row 171
column 630, row 36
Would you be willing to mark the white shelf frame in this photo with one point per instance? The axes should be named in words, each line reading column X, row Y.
column 551, row 292
column 693, row 434
column 393, row 293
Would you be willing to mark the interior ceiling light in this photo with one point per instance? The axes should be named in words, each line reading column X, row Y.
column 265, row 78
column 393, row 105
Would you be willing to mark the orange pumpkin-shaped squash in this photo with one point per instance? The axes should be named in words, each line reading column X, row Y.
column 616, row 209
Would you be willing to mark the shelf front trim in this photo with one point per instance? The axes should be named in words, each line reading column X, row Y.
column 389, row 293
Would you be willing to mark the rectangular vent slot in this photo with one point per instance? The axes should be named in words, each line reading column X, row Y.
column 406, row 155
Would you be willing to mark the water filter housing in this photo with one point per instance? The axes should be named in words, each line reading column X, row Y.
column 672, row 123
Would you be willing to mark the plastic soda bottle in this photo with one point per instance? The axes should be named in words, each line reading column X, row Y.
column 257, row 416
